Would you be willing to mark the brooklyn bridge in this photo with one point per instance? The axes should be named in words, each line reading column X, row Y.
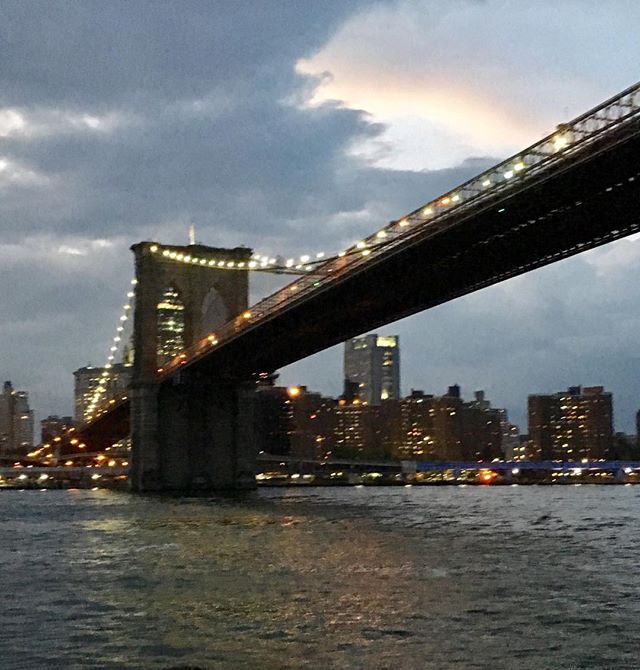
column 188, row 410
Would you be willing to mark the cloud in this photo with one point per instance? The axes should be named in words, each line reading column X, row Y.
column 459, row 78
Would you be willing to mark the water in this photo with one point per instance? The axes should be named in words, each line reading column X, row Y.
column 467, row 577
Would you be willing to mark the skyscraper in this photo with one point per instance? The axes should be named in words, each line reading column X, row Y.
column 16, row 421
column 373, row 363
column 170, row 326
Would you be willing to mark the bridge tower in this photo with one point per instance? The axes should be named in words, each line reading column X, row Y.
column 194, row 430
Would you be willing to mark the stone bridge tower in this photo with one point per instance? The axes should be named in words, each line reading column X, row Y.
column 181, row 438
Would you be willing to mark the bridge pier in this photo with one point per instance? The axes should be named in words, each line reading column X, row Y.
column 193, row 434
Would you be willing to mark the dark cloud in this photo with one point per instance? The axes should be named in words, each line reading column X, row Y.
column 78, row 52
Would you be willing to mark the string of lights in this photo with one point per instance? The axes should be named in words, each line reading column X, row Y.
column 258, row 262
column 107, row 373
column 305, row 264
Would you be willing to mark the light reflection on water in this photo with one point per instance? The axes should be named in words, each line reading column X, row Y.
column 527, row 577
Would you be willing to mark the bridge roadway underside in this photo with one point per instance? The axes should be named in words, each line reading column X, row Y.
column 589, row 200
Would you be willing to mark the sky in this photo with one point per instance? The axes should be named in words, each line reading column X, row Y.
column 296, row 126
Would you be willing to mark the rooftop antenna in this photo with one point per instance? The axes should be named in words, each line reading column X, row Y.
column 192, row 234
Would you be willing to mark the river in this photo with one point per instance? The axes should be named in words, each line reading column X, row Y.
column 371, row 578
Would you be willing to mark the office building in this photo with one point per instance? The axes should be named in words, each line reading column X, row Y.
column 170, row 326
column 16, row 421
column 373, row 363
column 572, row 425
column 86, row 382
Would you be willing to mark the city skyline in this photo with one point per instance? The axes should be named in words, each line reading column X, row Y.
column 84, row 173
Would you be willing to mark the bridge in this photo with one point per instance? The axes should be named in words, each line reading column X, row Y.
column 189, row 414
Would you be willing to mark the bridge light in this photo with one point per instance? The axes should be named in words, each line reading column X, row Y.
column 427, row 211
column 445, row 201
column 211, row 262
column 320, row 254
column 252, row 264
column 508, row 174
column 289, row 262
column 246, row 315
column 403, row 222
column 518, row 166
column 486, row 182
column 293, row 391
column 515, row 471
column 180, row 257
column 361, row 245
column 220, row 264
column 131, row 294
column 166, row 252
column 560, row 142
column 293, row 288
column 455, row 198
column 240, row 265
column 173, row 255
column 342, row 254
column 231, row 264
column 134, row 282
column 381, row 234
column 153, row 248
column 366, row 252
column 117, row 338
column 271, row 261
column 305, row 258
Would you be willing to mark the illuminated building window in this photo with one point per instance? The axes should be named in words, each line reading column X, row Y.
column 170, row 326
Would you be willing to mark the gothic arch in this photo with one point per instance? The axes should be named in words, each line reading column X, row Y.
column 170, row 316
